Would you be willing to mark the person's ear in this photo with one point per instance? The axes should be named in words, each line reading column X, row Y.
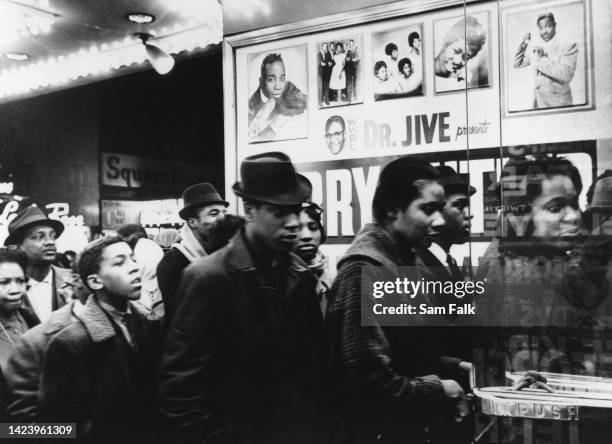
column 249, row 212
column 94, row 282
column 192, row 222
column 392, row 214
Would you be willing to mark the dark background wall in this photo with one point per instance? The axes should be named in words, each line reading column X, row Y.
column 51, row 144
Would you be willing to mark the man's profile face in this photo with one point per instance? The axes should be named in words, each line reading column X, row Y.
column 273, row 84
column 334, row 136
column 547, row 29
column 421, row 220
column 39, row 244
column 277, row 227
column 118, row 272
column 456, row 218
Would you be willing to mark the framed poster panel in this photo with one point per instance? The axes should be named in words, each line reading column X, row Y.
column 462, row 54
column 546, row 56
column 278, row 103
column 397, row 62
column 339, row 71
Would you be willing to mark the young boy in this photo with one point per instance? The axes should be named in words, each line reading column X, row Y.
column 99, row 372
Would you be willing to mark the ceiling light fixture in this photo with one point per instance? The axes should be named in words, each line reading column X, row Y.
column 17, row 56
column 161, row 61
column 141, row 18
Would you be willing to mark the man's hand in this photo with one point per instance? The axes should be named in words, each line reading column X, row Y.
column 526, row 39
column 460, row 404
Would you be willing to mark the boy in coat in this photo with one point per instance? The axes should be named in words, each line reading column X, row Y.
column 100, row 372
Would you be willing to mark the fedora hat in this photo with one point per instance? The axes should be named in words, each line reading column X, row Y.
column 271, row 178
column 29, row 218
column 199, row 195
column 452, row 182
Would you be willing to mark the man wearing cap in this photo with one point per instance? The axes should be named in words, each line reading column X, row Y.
column 202, row 207
column 49, row 287
column 244, row 355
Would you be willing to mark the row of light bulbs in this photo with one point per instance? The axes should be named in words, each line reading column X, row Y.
column 101, row 59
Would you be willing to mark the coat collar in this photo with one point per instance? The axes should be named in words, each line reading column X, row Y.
column 97, row 322
column 59, row 318
column 239, row 259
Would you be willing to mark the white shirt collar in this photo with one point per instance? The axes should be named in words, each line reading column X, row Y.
column 46, row 279
column 438, row 252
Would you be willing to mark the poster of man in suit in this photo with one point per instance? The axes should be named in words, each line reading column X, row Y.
column 545, row 56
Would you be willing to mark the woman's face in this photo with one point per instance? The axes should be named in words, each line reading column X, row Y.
column 12, row 286
column 407, row 70
column 382, row 73
column 556, row 217
column 310, row 238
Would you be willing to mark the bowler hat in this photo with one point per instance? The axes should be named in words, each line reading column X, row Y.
column 29, row 218
column 271, row 178
column 452, row 182
column 199, row 195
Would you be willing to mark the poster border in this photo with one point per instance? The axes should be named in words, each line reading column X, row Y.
column 231, row 43
column 504, row 10
column 489, row 48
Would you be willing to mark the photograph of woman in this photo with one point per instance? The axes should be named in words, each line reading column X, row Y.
column 397, row 62
column 339, row 71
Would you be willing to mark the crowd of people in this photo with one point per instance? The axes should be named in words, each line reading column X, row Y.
column 240, row 332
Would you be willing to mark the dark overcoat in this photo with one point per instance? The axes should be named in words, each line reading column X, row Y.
column 25, row 365
column 92, row 377
column 244, row 357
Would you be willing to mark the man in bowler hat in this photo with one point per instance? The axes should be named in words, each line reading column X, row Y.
column 49, row 287
column 203, row 206
column 244, row 357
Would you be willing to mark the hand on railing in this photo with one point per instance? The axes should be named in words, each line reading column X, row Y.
column 532, row 379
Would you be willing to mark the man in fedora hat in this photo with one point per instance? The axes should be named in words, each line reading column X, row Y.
column 203, row 206
column 49, row 287
column 244, row 355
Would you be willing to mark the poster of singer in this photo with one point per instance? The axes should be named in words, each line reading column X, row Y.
column 545, row 56
column 278, row 103
column 397, row 59
column 462, row 52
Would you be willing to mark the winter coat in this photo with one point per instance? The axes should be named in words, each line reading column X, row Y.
column 387, row 388
column 244, row 357
column 92, row 377
column 25, row 365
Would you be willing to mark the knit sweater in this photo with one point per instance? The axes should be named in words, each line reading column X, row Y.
column 382, row 366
